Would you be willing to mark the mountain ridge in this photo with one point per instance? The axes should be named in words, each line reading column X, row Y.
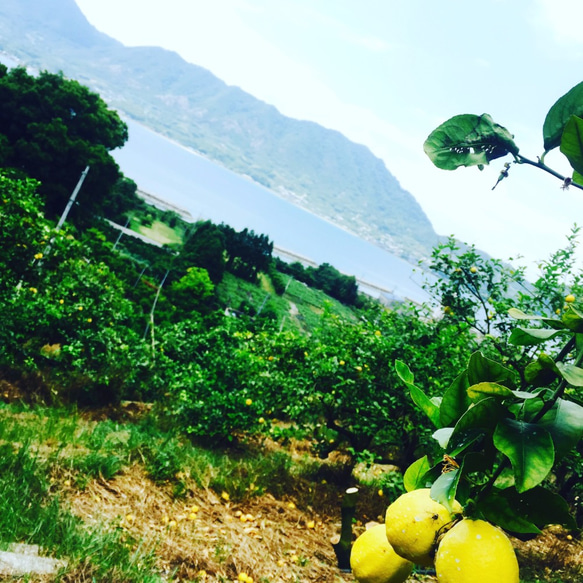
column 312, row 166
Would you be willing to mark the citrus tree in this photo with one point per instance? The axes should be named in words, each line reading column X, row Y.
column 476, row 292
column 504, row 429
column 65, row 318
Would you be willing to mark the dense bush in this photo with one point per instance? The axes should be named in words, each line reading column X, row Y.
column 52, row 128
column 64, row 318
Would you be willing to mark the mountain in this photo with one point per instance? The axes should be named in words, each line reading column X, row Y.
column 314, row 167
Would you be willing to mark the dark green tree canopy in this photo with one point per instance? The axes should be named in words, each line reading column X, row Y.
column 247, row 252
column 204, row 248
column 51, row 128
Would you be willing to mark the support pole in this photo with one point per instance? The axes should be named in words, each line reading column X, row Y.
column 150, row 324
column 65, row 213
column 72, row 198
column 343, row 547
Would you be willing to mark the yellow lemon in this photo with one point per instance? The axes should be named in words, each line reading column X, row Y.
column 475, row 551
column 570, row 299
column 373, row 560
column 413, row 521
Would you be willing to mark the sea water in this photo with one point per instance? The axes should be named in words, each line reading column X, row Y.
column 207, row 190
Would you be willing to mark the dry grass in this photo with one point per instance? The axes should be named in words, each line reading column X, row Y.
column 204, row 537
column 555, row 555
column 266, row 538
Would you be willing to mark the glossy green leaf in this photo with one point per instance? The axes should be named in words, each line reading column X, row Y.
column 482, row 369
column 532, row 336
column 524, row 395
column 539, row 375
column 481, row 418
column 565, row 424
column 572, row 143
column 444, row 488
column 499, row 507
column 455, row 401
column 419, row 397
column 529, row 409
column 442, row 436
column 548, row 363
column 468, row 140
column 414, row 477
column 482, row 390
column 404, row 372
column 529, row 447
column 544, row 507
column 464, row 440
column 526, row 512
column 571, row 373
column 573, row 319
column 505, row 479
column 577, row 178
column 558, row 116
column 520, row 315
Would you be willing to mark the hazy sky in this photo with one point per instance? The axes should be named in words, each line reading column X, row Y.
column 386, row 73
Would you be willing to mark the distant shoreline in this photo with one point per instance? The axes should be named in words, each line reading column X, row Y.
column 289, row 200
column 162, row 204
column 165, row 205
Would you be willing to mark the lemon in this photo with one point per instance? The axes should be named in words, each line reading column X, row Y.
column 413, row 521
column 570, row 299
column 475, row 551
column 373, row 560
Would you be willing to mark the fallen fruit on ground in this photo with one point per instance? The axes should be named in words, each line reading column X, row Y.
column 475, row 551
column 413, row 521
column 373, row 560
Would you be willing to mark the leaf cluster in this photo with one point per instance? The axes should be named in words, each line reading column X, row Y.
column 472, row 140
column 500, row 440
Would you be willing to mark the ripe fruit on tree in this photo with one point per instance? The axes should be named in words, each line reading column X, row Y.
column 570, row 299
column 413, row 521
column 373, row 560
column 475, row 551
column 473, row 269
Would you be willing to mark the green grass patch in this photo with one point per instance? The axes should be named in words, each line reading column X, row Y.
column 160, row 232
column 33, row 515
column 42, row 447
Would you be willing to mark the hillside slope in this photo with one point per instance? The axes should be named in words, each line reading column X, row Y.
column 312, row 166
